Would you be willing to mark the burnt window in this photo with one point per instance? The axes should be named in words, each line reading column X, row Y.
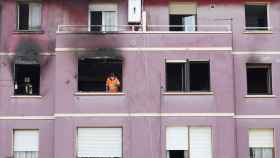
column 188, row 76
column 27, row 79
column 256, row 16
column 100, row 75
column 29, row 16
column 177, row 154
column 259, row 79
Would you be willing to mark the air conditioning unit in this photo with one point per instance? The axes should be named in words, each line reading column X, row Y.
column 134, row 11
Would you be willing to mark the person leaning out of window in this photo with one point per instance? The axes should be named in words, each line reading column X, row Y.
column 112, row 83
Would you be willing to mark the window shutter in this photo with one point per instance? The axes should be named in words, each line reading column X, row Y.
column 26, row 140
column 109, row 20
column 261, row 138
column 102, row 7
column 35, row 10
column 177, row 138
column 99, row 142
column 200, row 142
column 182, row 8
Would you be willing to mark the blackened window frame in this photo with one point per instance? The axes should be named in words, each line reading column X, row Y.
column 120, row 77
column 267, row 5
column 267, row 66
column 186, row 85
column 16, row 78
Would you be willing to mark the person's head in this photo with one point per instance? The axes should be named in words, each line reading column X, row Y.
column 112, row 75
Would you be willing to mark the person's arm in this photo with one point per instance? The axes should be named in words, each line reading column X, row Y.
column 107, row 85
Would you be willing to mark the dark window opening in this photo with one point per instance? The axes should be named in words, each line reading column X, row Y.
column 95, row 75
column 261, row 153
column 96, row 21
column 177, row 154
column 256, row 17
column 27, row 79
column 182, row 23
column 259, row 79
column 23, row 16
column 188, row 76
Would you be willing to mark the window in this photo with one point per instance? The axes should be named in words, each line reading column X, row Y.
column 182, row 16
column 261, row 143
column 188, row 76
column 99, row 143
column 26, row 144
column 188, row 142
column 103, row 17
column 29, row 16
column 95, row 75
column 27, row 79
column 256, row 16
column 259, row 79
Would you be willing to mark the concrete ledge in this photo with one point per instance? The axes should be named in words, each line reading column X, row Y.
column 98, row 94
column 27, row 96
column 188, row 93
column 260, row 96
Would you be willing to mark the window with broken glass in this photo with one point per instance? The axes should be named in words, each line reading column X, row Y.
column 27, row 79
column 187, row 76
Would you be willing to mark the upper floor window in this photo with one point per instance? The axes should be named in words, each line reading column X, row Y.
column 188, row 142
column 99, row 143
column 185, row 76
column 257, row 16
column 100, row 75
column 27, row 79
column 103, row 17
column 259, row 79
column 261, row 144
column 26, row 144
column 182, row 16
column 29, row 16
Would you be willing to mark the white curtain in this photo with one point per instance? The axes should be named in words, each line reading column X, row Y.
column 35, row 10
column 25, row 154
column 109, row 19
column 189, row 23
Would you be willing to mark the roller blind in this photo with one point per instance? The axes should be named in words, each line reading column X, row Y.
column 182, row 8
column 103, row 7
column 200, row 142
column 26, row 140
column 99, row 142
column 35, row 10
column 260, row 138
column 177, row 138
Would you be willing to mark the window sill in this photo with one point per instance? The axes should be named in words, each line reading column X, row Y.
column 188, row 93
column 28, row 32
column 260, row 96
column 257, row 32
column 98, row 94
column 27, row 96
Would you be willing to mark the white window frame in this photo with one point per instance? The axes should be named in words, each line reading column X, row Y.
column 29, row 20
column 103, row 7
column 267, row 4
column 13, row 139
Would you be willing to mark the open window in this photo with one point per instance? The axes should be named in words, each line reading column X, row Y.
column 99, row 75
column 187, row 76
column 261, row 144
column 27, row 79
column 259, row 80
column 182, row 16
column 103, row 17
column 29, row 16
column 257, row 16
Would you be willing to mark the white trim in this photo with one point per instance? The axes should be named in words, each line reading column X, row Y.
column 188, row 93
column 257, row 117
column 13, row 53
column 151, row 49
column 27, row 118
column 260, row 96
column 144, row 115
column 98, row 94
column 256, row 53
column 27, row 96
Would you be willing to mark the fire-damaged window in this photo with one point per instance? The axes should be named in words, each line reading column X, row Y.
column 29, row 16
column 257, row 16
column 182, row 16
column 100, row 75
column 259, row 79
column 187, row 76
column 27, row 79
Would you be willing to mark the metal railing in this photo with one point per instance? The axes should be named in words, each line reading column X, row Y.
column 142, row 29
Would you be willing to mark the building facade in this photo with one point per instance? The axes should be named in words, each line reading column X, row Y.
column 197, row 79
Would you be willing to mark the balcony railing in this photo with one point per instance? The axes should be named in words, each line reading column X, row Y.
column 144, row 29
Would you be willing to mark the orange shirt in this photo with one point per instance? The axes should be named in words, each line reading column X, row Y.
column 113, row 85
